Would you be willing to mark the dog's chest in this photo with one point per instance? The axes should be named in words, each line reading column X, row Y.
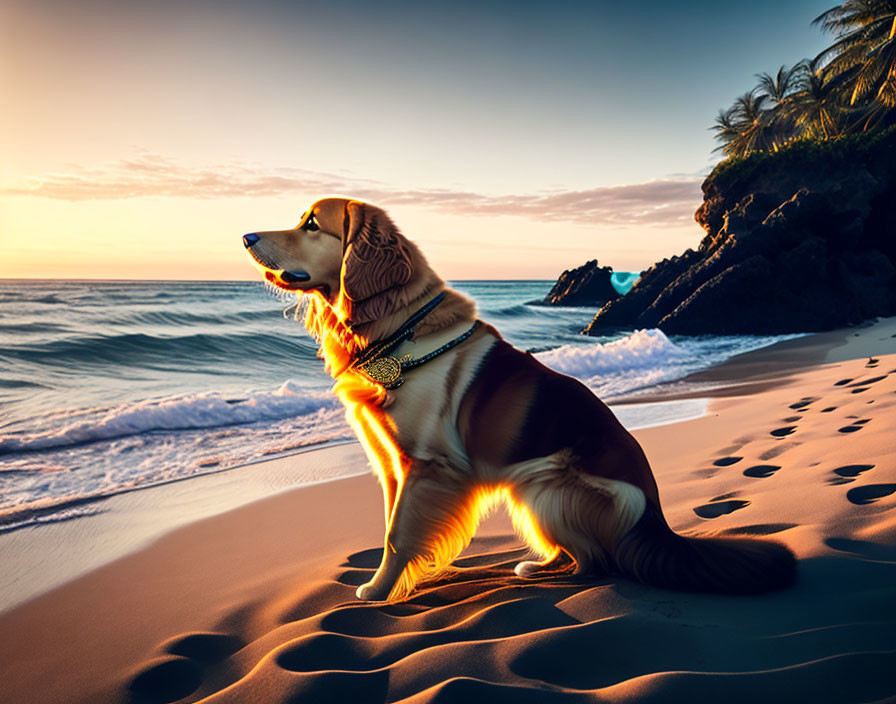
column 421, row 420
column 422, row 413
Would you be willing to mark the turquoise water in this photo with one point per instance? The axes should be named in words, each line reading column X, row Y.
column 623, row 281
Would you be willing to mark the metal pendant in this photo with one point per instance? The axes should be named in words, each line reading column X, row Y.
column 385, row 371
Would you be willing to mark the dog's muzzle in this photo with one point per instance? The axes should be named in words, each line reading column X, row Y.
column 287, row 277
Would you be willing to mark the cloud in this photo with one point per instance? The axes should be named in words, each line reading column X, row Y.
column 661, row 202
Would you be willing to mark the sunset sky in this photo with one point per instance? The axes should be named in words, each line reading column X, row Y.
column 509, row 139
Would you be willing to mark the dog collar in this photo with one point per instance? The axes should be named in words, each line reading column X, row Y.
column 387, row 370
column 403, row 333
column 377, row 362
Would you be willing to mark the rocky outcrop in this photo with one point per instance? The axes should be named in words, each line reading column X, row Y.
column 587, row 285
column 800, row 240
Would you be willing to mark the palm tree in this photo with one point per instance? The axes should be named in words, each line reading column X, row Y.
column 864, row 56
column 849, row 86
column 813, row 104
column 779, row 86
column 744, row 127
column 777, row 90
column 727, row 132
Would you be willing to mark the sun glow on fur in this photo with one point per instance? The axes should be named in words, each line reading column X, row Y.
column 363, row 401
column 457, row 529
column 524, row 522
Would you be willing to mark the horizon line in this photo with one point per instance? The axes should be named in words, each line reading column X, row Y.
column 198, row 281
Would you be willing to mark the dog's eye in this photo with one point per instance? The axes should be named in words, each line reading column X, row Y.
column 311, row 224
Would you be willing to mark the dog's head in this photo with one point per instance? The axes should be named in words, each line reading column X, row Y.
column 349, row 251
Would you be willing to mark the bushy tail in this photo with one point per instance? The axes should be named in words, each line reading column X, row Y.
column 651, row 553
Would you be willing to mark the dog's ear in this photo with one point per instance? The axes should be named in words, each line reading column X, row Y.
column 376, row 262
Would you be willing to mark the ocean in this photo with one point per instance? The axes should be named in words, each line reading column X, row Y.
column 108, row 387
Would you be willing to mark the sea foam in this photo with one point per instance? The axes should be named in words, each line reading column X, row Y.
column 645, row 358
column 173, row 413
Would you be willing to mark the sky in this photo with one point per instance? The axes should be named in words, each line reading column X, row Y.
column 140, row 140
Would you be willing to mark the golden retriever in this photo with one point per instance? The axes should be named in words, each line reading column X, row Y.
column 480, row 422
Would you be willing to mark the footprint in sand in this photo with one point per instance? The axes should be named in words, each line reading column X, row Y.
column 727, row 461
column 842, row 382
column 852, row 428
column 853, row 470
column 784, row 432
column 792, row 419
column 872, row 380
column 803, row 402
column 828, row 409
column 861, row 495
column 761, row 471
column 714, row 510
column 848, row 473
column 861, row 389
column 759, row 529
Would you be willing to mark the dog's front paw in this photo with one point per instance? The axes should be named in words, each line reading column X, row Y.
column 369, row 592
column 528, row 569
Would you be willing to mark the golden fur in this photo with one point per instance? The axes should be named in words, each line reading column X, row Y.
column 482, row 424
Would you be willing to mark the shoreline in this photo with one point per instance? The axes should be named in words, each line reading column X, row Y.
column 49, row 555
column 758, row 370
column 46, row 555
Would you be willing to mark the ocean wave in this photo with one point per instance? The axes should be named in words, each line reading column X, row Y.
column 39, row 486
column 643, row 349
column 30, row 327
column 645, row 358
column 175, row 349
column 516, row 311
column 186, row 318
column 20, row 384
column 174, row 413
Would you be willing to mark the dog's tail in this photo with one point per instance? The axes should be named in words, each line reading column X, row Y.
column 652, row 553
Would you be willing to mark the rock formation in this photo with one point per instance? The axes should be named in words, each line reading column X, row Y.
column 587, row 285
column 799, row 240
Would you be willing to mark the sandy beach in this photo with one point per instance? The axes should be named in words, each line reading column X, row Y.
column 249, row 599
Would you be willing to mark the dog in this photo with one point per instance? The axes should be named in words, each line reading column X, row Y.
column 478, row 422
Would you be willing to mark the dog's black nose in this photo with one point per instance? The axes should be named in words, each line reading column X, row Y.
column 295, row 277
column 250, row 239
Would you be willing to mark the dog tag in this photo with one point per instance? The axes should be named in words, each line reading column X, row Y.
column 384, row 370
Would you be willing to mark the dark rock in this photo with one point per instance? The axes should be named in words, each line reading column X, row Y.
column 587, row 285
column 800, row 240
